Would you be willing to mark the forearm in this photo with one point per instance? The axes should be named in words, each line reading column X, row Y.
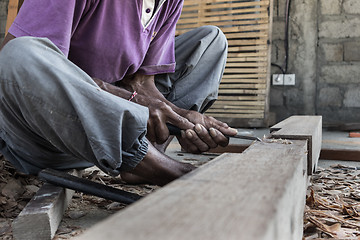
column 144, row 85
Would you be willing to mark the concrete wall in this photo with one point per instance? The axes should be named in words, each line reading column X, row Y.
column 3, row 15
column 325, row 56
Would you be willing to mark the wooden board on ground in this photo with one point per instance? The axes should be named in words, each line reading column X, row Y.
column 42, row 215
column 302, row 128
column 259, row 194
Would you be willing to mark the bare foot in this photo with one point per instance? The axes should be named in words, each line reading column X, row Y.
column 156, row 168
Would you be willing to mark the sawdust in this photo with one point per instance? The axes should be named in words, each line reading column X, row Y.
column 332, row 208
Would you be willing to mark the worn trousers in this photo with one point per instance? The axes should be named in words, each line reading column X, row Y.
column 53, row 115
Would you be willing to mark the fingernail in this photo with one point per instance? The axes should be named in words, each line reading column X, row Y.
column 234, row 130
column 198, row 128
column 212, row 131
column 189, row 134
column 182, row 133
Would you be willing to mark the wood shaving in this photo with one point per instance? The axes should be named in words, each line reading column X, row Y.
column 332, row 208
column 278, row 140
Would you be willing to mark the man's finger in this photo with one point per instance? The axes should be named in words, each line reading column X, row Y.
column 180, row 122
column 194, row 138
column 204, row 135
column 218, row 137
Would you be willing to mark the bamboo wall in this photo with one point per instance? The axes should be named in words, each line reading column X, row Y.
column 244, row 92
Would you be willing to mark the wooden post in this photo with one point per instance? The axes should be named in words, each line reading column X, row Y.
column 302, row 127
column 257, row 195
column 42, row 215
column 13, row 8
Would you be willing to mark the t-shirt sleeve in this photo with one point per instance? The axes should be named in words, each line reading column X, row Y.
column 160, row 57
column 52, row 19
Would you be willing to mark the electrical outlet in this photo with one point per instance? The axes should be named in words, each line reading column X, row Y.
column 289, row 79
column 278, row 79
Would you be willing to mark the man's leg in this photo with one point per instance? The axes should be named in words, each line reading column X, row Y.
column 200, row 61
column 53, row 115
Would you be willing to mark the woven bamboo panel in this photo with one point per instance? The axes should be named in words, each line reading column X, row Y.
column 244, row 92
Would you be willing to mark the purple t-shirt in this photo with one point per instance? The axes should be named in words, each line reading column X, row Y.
column 108, row 39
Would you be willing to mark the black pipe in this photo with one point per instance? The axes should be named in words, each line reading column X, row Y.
column 66, row 180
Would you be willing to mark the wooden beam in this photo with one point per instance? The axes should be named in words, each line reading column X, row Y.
column 340, row 154
column 13, row 8
column 257, row 195
column 302, row 127
column 42, row 215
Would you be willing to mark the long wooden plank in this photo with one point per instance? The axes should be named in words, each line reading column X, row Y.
column 13, row 8
column 243, row 85
column 246, row 64
column 225, row 4
column 257, row 195
column 230, row 118
column 184, row 27
column 220, row 11
column 223, row 18
column 42, row 215
column 252, row 75
column 242, row 91
column 302, row 127
column 236, row 103
column 241, row 98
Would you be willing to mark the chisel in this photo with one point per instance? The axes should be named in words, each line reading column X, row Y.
column 177, row 132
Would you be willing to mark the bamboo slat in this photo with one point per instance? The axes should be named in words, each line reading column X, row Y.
column 244, row 89
column 13, row 8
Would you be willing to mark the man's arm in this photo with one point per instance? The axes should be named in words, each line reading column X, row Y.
column 207, row 131
column 160, row 112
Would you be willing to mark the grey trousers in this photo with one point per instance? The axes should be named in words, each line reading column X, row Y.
column 53, row 115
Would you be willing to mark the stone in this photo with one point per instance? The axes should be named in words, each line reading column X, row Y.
column 330, row 7
column 352, row 51
column 340, row 74
column 340, row 28
column 330, row 96
column 351, row 6
column 332, row 52
column 352, row 97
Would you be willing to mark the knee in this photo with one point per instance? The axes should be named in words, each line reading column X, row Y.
column 219, row 38
column 24, row 52
column 21, row 55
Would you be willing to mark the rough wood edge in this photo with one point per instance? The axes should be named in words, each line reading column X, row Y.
column 284, row 130
column 42, row 215
column 166, row 213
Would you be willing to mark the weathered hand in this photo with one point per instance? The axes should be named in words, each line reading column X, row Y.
column 208, row 133
column 161, row 113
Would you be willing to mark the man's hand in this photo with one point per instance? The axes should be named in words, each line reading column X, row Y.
column 200, row 132
column 207, row 133
column 161, row 113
